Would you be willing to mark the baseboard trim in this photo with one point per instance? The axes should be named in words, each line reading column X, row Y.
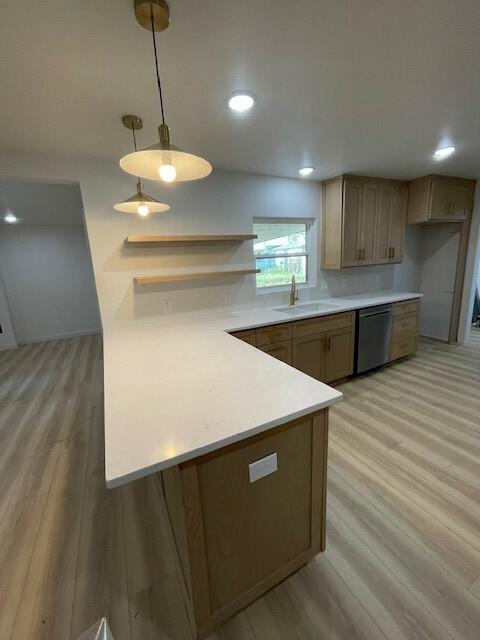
column 427, row 335
column 61, row 336
column 5, row 347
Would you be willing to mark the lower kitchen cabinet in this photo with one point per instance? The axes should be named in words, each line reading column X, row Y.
column 326, row 357
column 280, row 350
column 339, row 354
column 309, row 355
column 405, row 328
column 323, row 347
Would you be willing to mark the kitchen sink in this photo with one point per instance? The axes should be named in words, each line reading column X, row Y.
column 299, row 309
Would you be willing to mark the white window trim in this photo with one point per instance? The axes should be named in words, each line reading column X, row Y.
column 310, row 252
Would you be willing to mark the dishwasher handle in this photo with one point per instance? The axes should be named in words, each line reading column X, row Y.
column 375, row 313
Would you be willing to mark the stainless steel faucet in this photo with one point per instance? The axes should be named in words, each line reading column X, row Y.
column 293, row 292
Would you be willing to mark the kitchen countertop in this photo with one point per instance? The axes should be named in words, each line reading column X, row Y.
column 181, row 386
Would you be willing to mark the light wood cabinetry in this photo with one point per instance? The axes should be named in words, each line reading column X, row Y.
column 272, row 334
column 405, row 328
column 237, row 539
column 248, row 336
column 339, row 354
column 364, row 221
column 309, row 355
column 321, row 347
column 280, row 350
column 436, row 198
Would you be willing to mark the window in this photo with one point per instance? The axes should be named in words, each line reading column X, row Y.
column 282, row 249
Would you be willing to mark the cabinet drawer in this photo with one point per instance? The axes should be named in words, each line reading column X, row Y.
column 409, row 306
column 280, row 350
column 313, row 326
column 275, row 333
column 403, row 347
column 248, row 336
column 405, row 325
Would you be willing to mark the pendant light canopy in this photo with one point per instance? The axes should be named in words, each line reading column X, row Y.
column 163, row 160
column 140, row 202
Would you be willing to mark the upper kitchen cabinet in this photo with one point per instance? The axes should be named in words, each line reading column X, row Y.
column 364, row 221
column 439, row 199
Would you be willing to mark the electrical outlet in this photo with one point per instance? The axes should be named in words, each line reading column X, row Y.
column 167, row 306
column 228, row 297
column 378, row 279
column 344, row 283
column 323, row 286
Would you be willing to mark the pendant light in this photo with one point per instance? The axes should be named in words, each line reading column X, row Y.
column 140, row 202
column 162, row 161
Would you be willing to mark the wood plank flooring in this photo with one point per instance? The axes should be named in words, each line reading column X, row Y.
column 403, row 542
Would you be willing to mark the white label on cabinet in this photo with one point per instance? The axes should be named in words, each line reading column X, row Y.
column 263, row 467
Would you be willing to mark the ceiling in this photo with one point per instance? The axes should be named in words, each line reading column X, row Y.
column 41, row 203
column 365, row 86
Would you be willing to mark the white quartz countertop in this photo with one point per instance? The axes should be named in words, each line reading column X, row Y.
column 181, row 386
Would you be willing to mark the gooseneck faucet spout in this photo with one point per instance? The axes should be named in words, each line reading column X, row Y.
column 293, row 292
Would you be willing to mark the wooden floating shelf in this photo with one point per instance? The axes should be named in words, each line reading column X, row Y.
column 149, row 240
column 192, row 276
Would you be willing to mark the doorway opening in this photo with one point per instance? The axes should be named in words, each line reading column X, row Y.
column 47, row 288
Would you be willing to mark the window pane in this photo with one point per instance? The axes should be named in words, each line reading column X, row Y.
column 279, row 271
column 281, row 237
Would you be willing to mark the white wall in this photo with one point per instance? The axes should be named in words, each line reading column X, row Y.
column 472, row 272
column 48, row 281
column 7, row 337
column 225, row 202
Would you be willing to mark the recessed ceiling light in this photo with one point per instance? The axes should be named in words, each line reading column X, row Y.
column 444, row 152
column 305, row 171
column 10, row 218
column 241, row 101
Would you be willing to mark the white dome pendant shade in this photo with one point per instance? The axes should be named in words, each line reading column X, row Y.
column 140, row 203
column 156, row 162
column 162, row 161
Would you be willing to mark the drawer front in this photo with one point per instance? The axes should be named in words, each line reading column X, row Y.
column 405, row 325
column 313, row 326
column 275, row 333
column 280, row 350
column 403, row 347
column 399, row 308
column 248, row 336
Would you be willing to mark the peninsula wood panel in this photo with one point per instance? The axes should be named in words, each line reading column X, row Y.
column 402, row 559
column 231, row 525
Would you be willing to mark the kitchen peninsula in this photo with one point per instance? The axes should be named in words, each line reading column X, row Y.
column 236, row 439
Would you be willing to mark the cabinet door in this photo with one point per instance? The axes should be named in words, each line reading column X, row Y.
column 366, row 229
column 448, row 200
column 398, row 223
column 339, row 351
column 281, row 350
column 309, row 355
column 351, row 220
column 383, row 224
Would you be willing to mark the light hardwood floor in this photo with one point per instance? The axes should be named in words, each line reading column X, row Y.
column 403, row 530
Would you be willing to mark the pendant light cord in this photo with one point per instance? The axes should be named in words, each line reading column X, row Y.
column 156, row 64
column 134, row 139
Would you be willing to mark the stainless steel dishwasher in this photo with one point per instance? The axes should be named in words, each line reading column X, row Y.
column 374, row 328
